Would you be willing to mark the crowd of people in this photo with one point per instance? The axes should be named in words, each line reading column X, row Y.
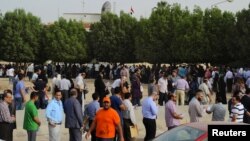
column 111, row 113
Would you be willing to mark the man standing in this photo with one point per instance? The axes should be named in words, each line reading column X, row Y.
column 80, row 87
column 149, row 112
column 163, row 89
column 229, row 80
column 172, row 118
column 195, row 109
column 6, row 129
column 91, row 110
column 207, row 96
column 117, row 104
column 64, row 86
column 218, row 110
column 128, row 117
column 29, row 71
column 31, row 120
column 35, row 75
column 54, row 114
column 181, row 87
column 74, row 116
column 20, row 92
column 105, row 122
column 237, row 111
column 245, row 100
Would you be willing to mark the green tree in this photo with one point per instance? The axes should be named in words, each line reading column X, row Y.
column 65, row 41
column 105, row 38
column 20, row 33
column 219, row 30
column 243, row 37
column 156, row 34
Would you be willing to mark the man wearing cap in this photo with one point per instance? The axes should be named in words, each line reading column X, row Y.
column 105, row 123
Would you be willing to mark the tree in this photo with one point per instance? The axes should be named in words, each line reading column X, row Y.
column 65, row 41
column 153, row 44
column 112, row 39
column 243, row 37
column 19, row 36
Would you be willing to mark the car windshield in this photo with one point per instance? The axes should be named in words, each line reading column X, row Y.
column 181, row 133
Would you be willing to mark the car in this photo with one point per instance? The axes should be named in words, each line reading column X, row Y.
column 195, row 131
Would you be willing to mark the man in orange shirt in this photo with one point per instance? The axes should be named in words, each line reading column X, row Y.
column 105, row 123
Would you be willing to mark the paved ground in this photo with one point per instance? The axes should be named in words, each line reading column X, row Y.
column 21, row 135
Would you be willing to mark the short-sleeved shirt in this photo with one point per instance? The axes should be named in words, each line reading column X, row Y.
column 170, row 109
column 115, row 104
column 106, row 122
column 219, row 112
column 34, row 77
column 30, row 112
column 237, row 110
column 19, row 86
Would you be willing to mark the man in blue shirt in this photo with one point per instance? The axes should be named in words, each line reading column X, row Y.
column 149, row 112
column 91, row 110
column 117, row 105
column 20, row 92
column 54, row 114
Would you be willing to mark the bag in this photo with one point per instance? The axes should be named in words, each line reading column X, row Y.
column 134, row 131
column 141, row 88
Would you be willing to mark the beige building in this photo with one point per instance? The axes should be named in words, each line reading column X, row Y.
column 86, row 18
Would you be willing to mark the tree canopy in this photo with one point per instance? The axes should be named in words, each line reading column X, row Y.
column 170, row 35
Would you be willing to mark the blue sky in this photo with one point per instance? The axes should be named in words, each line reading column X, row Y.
column 50, row 10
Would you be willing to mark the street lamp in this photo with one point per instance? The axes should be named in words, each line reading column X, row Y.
column 213, row 5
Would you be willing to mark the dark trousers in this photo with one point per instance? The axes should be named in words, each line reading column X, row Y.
column 93, row 137
column 31, row 135
column 6, row 131
column 126, row 129
column 136, row 101
column 65, row 95
column 162, row 98
column 229, row 85
column 101, row 139
column 41, row 102
column 79, row 96
column 75, row 134
column 171, row 127
column 150, row 126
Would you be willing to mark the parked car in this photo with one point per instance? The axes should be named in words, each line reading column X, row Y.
column 195, row 131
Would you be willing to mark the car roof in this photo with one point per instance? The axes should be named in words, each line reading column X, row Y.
column 203, row 125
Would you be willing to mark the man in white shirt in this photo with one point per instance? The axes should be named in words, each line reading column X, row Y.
column 229, row 80
column 30, row 71
column 163, row 89
column 35, row 75
column 64, row 86
column 207, row 96
column 80, row 87
column 11, row 73
column 116, row 83
column 128, row 117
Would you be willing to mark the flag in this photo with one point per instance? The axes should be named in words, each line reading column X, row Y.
column 131, row 10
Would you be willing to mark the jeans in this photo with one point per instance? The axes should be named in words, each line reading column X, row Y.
column 19, row 103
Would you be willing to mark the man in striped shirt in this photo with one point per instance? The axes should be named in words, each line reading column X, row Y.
column 237, row 111
column 6, row 130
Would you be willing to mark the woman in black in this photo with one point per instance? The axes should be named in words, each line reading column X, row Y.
column 100, row 87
